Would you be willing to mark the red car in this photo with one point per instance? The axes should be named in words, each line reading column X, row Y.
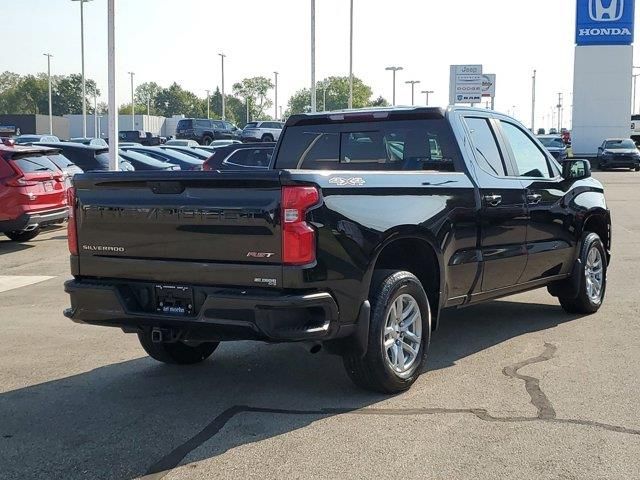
column 33, row 191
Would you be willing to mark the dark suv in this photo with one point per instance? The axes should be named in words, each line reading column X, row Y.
column 205, row 131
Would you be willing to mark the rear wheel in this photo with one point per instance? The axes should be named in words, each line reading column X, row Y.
column 593, row 277
column 23, row 235
column 177, row 352
column 267, row 138
column 399, row 334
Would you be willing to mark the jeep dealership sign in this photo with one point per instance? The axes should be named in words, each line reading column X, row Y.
column 605, row 22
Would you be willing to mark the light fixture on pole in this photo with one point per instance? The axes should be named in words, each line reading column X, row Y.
column 133, row 105
column 276, row 94
column 84, row 87
column 427, row 93
column 208, row 97
column 313, row 56
column 111, row 86
column 224, row 116
column 48, row 55
column 394, row 70
column 413, row 85
column 351, row 57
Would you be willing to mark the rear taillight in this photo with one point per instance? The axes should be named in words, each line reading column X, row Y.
column 298, row 237
column 18, row 179
column 72, row 227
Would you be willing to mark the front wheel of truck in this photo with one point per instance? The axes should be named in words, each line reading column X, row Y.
column 178, row 353
column 399, row 335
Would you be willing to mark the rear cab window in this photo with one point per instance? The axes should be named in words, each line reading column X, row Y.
column 396, row 145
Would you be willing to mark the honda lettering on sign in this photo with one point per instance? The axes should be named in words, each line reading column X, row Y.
column 605, row 22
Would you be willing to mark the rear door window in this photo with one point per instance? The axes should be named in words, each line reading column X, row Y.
column 35, row 164
column 485, row 146
column 184, row 124
column 203, row 123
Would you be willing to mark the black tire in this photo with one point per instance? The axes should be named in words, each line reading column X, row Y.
column 372, row 371
column 583, row 303
column 177, row 353
column 22, row 235
column 207, row 140
column 267, row 138
column 637, row 168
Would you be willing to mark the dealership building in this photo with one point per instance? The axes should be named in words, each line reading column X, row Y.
column 603, row 72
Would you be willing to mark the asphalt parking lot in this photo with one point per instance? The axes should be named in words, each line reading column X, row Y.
column 515, row 388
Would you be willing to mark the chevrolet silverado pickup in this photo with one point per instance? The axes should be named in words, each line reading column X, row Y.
column 364, row 228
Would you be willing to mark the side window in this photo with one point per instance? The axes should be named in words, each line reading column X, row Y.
column 530, row 161
column 218, row 125
column 202, row 123
column 486, row 148
column 249, row 157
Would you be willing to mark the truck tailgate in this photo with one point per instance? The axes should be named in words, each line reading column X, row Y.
column 196, row 227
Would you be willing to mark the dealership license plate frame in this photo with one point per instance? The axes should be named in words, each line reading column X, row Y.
column 174, row 300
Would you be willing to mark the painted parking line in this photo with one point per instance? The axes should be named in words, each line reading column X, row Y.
column 11, row 282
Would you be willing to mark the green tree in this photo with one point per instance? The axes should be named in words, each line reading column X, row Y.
column 379, row 102
column 177, row 101
column 67, row 94
column 125, row 109
column 147, row 92
column 336, row 91
column 234, row 107
column 255, row 90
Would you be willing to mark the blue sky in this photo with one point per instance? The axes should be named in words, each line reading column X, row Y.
column 178, row 40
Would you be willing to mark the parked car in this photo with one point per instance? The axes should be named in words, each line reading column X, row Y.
column 205, row 131
column 191, row 151
column 139, row 136
column 33, row 192
column 182, row 143
column 241, row 156
column 185, row 162
column 27, row 139
column 96, row 142
column 553, row 131
column 555, row 146
column 63, row 163
column 88, row 157
column 618, row 153
column 129, row 144
column 145, row 162
column 365, row 227
column 262, row 131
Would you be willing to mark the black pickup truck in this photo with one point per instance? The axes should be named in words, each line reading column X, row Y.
column 367, row 225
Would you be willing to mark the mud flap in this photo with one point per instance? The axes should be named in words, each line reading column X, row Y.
column 570, row 287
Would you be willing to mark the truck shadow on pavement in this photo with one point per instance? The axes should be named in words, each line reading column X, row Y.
column 139, row 418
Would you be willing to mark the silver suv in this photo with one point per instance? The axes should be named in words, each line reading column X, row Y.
column 262, row 131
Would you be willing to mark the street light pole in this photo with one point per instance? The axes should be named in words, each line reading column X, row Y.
column 533, row 102
column 313, row 56
column 427, row 93
column 559, row 111
column 413, row 85
column 276, row 94
column 133, row 106
column 111, row 86
column 208, row 96
column 224, row 116
column 84, row 87
column 394, row 70
column 248, row 110
column 95, row 115
column 48, row 55
column 351, row 58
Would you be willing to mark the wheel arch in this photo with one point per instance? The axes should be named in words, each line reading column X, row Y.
column 598, row 221
column 414, row 251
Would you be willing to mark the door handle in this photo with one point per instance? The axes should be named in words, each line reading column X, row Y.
column 534, row 198
column 493, row 200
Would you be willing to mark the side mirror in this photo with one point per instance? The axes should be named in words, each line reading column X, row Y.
column 600, row 149
column 576, row 169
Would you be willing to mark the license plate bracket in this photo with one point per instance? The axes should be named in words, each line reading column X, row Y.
column 174, row 300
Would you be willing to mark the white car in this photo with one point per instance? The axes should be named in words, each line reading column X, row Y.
column 262, row 131
column 182, row 143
